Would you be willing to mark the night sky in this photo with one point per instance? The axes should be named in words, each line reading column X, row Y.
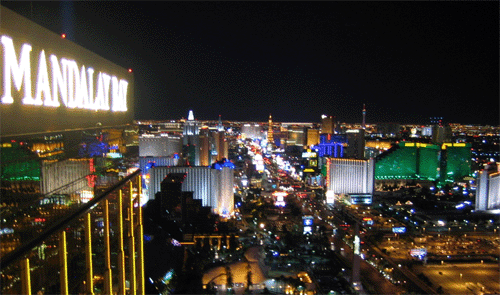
column 407, row 61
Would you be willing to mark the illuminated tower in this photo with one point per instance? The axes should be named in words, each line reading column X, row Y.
column 220, row 127
column 270, row 138
column 191, row 140
column 364, row 117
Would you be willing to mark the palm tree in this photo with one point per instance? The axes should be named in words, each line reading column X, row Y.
column 249, row 278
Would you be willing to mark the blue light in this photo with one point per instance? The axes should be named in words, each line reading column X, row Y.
column 149, row 165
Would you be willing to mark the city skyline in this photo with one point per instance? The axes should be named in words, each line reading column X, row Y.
column 406, row 61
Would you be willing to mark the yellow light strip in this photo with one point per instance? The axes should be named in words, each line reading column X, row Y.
column 88, row 254
column 63, row 263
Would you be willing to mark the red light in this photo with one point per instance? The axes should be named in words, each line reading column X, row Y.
column 63, row 36
column 130, row 70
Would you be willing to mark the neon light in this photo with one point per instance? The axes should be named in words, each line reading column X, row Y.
column 91, row 178
column 67, row 85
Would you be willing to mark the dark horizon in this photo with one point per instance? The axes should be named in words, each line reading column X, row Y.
column 406, row 61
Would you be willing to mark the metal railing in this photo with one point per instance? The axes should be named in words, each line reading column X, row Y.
column 96, row 249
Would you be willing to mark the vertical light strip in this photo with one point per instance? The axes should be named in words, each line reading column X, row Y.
column 121, row 252
column 108, row 280
column 133, row 285
column 88, row 255
column 142, row 276
column 63, row 263
column 25, row 276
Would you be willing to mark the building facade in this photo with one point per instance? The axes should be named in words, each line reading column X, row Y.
column 488, row 190
column 350, row 176
column 165, row 145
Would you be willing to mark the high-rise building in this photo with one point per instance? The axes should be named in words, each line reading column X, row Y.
column 191, row 140
column 220, row 127
column 67, row 176
column 205, row 148
column 312, row 137
column 165, row 145
column 441, row 134
column 407, row 160
column 327, row 125
column 350, row 176
column 221, row 145
column 296, row 136
column 355, row 144
column 488, row 190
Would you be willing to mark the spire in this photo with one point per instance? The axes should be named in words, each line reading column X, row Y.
column 364, row 117
column 190, row 115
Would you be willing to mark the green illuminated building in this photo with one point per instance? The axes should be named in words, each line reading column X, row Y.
column 18, row 163
column 420, row 161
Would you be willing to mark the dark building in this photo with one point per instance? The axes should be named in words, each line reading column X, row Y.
column 388, row 129
column 355, row 144
column 174, row 204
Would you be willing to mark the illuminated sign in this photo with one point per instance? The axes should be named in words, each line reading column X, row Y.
column 418, row 252
column 280, row 198
column 49, row 84
column 307, row 221
column 69, row 84
column 6, row 231
column 86, row 195
column 399, row 230
column 309, row 154
column 330, row 197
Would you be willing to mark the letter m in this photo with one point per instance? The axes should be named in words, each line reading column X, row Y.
column 16, row 70
column 119, row 95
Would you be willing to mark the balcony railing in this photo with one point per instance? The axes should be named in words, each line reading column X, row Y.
column 96, row 248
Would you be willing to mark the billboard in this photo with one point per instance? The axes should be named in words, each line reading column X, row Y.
column 49, row 83
column 419, row 253
column 307, row 222
column 330, row 197
column 399, row 230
